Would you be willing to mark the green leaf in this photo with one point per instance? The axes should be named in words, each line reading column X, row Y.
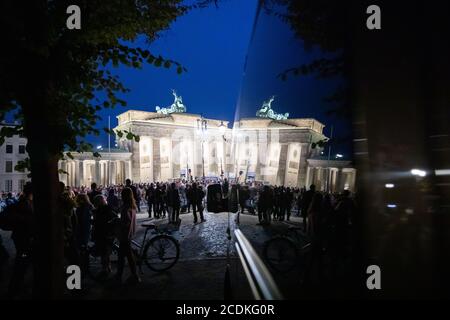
column 167, row 64
column 130, row 136
column 137, row 138
column 68, row 154
column 158, row 62
column 179, row 70
column 96, row 154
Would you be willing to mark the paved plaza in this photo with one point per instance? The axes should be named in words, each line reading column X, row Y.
column 200, row 271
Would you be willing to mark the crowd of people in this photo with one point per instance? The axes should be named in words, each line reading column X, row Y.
column 103, row 214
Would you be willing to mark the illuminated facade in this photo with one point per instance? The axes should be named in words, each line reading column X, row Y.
column 277, row 152
column 173, row 144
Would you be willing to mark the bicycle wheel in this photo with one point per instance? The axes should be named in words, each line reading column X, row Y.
column 281, row 254
column 161, row 253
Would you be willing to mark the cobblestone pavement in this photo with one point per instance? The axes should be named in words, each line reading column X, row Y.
column 200, row 272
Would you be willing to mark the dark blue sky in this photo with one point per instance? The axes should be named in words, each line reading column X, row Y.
column 215, row 45
column 211, row 43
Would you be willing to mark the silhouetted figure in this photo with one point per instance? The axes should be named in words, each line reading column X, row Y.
column 66, row 206
column 84, row 216
column 93, row 193
column 4, row 256
column 113, row 200
column 265, row 205
column 287, row 200
column 173, row 202
column 150, row 197
column 306, row 202
column 22, row 235
column 344, row 210
column 127, row 231
column 103, row 232
column 197, row 196
column 315, row 232
column 136, row 195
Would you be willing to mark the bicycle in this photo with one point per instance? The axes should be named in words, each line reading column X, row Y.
column 159, row 253
column 284, row 252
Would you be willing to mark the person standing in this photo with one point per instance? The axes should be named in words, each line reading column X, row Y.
column 136, row 196
column 183, row 198
column 265, row 204
column 113, row 200
column 127, row 231
column 84, row 217
column 66, row 206
column 173, row 202
column 163, row 200
column 103, row 232
column 288, row 199
column 150, row 197
column 306, row 202
column 22, row 236
column 315, row 232
column 94, row 192
column 188, row 198
column 197, row 195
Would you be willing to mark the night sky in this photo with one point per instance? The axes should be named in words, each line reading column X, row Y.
column 211, row 43
column 232, row 69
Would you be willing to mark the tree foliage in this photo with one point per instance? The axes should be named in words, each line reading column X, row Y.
column 70, row 68
column 320, row 24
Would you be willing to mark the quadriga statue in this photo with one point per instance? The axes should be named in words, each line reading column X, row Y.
column 266, row 111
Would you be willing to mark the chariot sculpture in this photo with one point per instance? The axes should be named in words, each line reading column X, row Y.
column 266, row 111
column 177, row 105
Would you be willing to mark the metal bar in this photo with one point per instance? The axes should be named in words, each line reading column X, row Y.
column 259, row 272
column 250, row 279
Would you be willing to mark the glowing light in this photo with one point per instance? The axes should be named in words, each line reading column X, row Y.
column 442, row 172
column 391, row 206
column 418, row 172
column 99, row 147
column 339, row 155
column 389, row 185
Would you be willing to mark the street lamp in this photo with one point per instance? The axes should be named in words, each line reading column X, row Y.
column 202, row 127
column 222, row 127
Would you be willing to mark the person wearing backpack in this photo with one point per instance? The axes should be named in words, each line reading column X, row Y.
column 22, row 225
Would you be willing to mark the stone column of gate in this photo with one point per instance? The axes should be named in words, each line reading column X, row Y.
column 76, row 173
column 156, row 160
column 175, row 157
column 128, row 172
column 79, row 173
column 308, row 177
column 61, row 167
column 118, row 169
column 353, row 180
column 313, row 176
column 97, row 176
column 281, row 174
column 339, row 181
